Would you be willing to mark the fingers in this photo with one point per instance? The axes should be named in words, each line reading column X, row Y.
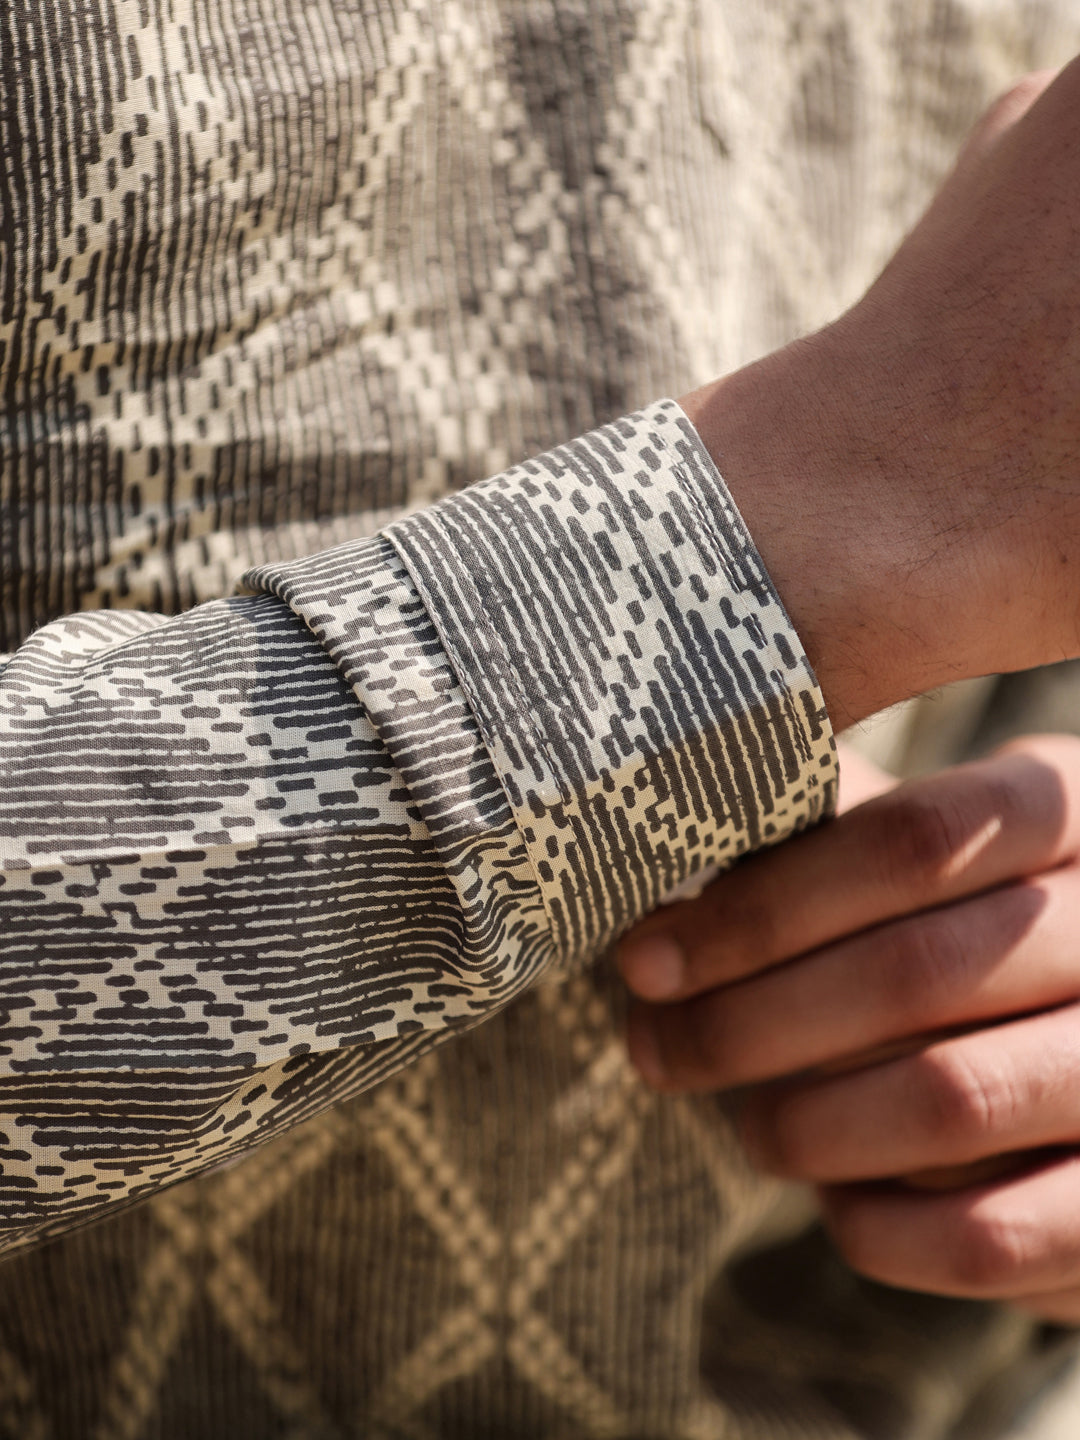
column 1060, row 1307
column 998, row 954
column 960, row 1110
column 1016, row 1239
column 918, row 846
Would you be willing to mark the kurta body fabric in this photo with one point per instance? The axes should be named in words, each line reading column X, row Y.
column 307, row 887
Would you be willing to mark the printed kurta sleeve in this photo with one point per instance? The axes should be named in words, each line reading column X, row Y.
column 258, row 856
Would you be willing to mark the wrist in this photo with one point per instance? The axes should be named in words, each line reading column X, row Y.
column 889, row 594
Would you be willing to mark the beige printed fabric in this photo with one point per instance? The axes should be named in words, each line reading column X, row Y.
column 273, row 274
column 272, row 849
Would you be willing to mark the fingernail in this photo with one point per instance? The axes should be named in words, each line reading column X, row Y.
column 654, row 967
column 644, row 1049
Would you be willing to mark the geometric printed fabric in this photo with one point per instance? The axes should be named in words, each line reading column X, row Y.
column 273, row 275
column 390, row 1270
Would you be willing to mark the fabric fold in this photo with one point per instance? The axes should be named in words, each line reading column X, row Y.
column 643, row 694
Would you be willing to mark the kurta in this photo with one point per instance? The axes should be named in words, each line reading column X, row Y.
column 308, row 887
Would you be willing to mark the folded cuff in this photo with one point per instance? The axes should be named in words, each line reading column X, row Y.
column 640, row 688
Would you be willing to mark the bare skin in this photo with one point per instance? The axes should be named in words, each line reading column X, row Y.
column 908, row 1020
column 911, row 473
column 900, row 990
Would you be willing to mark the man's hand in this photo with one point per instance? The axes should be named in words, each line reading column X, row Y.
column 902, row 990
column 911, row 474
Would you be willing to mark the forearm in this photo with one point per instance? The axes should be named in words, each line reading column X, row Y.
column 909, row 473
column 891, row 593
column 265, row 853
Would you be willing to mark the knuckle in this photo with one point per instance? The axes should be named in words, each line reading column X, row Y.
column 923, row 964
column 932, row 833
column 990, row 1251
column 920, row 843
column 979, row 1251
column 1012, row 104
column 1028, row 88
column 964, row 1102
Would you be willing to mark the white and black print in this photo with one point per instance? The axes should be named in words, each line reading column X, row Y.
column 307, row 878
